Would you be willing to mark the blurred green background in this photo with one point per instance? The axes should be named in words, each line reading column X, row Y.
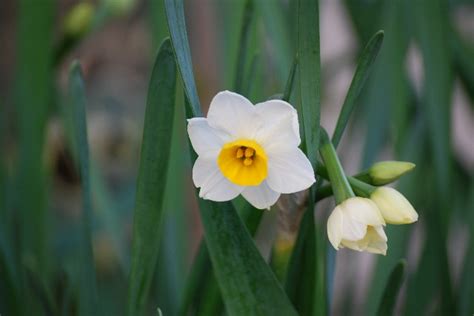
column 418, row 105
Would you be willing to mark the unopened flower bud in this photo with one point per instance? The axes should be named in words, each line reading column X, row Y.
column 357, row 224
column 394, row 207
column 385, row 172
column 79, row 20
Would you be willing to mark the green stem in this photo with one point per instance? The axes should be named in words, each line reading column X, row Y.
column 360, row 187
column 340, row 185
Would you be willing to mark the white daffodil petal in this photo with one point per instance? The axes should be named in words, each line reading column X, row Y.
column 205, row 140
column 234, row 114
column 214, row 186
column 280, row 129
column 334, row 228
column 363, row 210
column 289, row 171
column 376, row 240
column 261, row 196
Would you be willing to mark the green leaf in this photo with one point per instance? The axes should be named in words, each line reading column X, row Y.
column 309, row 74
column 432, row 25
column 463, row 54
column 364, row 67
column 152, row 177
column 247, row 283
column 201, row 271
column 179, row 39
column 290, row 81
column 88, row 301
column 246, row 24
column 390, row 294
column 305, row 276
column 277, row 26
column 33, row 97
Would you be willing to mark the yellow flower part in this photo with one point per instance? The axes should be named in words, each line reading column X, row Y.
column 243, row 162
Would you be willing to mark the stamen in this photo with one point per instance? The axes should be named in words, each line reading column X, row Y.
column 248, row 161
column 249, row 152
column 240, row 153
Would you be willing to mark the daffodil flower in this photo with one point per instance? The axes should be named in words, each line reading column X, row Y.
column 357, row 224
column 249, row 150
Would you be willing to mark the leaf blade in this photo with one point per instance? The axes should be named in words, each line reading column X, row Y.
column 364, row 67
column 88, row 298
column 152, row 176
column 390, row 294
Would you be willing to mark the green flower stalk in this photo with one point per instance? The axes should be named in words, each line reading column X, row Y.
column 356, row 222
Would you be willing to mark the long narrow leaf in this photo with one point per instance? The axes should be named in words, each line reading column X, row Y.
column 309, row 74
column 88, row 301
column 152, row 176
column 305, row 276
column 247, row 283
column 179, row 38
column 364, row 67
column 243, row 43
column 390, row 294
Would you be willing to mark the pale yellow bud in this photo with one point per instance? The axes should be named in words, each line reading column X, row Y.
column 394, row 207
column 388, row 171
column 78, row 21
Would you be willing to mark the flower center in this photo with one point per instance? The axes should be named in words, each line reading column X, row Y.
column 243, row 162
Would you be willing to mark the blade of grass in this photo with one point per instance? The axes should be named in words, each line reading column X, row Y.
column 390, row 294
column 152, row 177
column 363, row 70
column 88, row 299
column 305, row 280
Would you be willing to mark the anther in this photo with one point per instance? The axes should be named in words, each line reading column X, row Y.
column 249, row 152
column 248, row 161
column 240, row 153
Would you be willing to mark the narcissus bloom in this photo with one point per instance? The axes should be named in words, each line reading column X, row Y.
column 357, row 223
column 394, row 207
column 249, row 150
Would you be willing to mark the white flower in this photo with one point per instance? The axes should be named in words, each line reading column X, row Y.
column 357, row 223
column 394, row 207
column 249, row 150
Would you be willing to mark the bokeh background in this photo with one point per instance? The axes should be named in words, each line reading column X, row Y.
column 418, row 105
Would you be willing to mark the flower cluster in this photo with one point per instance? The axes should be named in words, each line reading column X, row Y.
column 357, row 223
column 252, row 150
